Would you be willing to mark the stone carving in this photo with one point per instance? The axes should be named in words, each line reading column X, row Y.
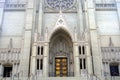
column 110, row 42
column 60, row 4
column 10, row 44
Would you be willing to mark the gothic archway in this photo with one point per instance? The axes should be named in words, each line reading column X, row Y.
column 61, row 49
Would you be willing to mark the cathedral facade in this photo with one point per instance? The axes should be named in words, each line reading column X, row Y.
column 60, row 39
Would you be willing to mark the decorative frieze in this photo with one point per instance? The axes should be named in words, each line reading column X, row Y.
column 110, row 54
column 105, row 6
column 64, row 5
column 9, row 55
column 110, row 49
column 15, row 6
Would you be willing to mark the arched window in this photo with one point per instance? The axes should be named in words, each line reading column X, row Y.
column 38, row 52
column 80, row 50
column 41, row 64
column 42, row 50
column 83, row 49
column 7, row 70
column 114, row 70
column 37, row 64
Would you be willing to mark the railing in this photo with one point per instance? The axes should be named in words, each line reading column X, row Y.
column 69, row 74
column 15, row 6
column 105, row 6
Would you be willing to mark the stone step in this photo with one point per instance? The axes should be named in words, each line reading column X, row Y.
column 49, row 78
column 64, row 78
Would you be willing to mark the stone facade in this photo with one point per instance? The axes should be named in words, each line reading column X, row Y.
column 60, row 39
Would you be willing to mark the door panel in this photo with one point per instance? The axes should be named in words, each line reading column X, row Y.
column 61, row 67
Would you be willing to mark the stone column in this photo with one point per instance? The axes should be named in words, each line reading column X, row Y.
column 76, row 60
column 40, row 19
column 26, row 46
column 13, row 70
column 33, row 59
column 46, row 60
column 119, row 68
column 34, row 55
column 89, row 60
column 80, row 16
column 2, row 3
column 1, row 70
column 118, row 10
column 95, row 45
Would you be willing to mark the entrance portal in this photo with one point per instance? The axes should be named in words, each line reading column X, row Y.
column 61, row 54
column 61, row 67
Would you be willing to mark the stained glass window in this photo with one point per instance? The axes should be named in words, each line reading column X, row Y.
column 60, row 4
column 114, row 70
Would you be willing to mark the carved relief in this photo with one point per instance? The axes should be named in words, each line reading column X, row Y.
column 56, row 5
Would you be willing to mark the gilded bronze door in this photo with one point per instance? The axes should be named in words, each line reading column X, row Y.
column 61, row 67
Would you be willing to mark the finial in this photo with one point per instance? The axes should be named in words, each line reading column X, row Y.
column 110, row 42
column 60, row 9
column 10, row 44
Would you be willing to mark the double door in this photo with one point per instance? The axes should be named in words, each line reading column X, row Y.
column 61, row 67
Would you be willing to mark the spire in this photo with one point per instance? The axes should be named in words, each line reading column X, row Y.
column 60, row 10
column 10, row 46
column 110, row 42
column 35, row 35
column 60, row 22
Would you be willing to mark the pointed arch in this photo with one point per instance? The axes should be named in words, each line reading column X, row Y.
column 60, row 30
column 60, row 47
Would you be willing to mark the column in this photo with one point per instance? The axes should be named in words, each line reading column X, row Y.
column 81, row 27
column 26, row 46
column 33, row 59
column 89, row 60
column 95, row 45
column 46, row 60
column 118, row 10
column 119, row 68
column 1, row 70
column 76, row 60
column 13, row 70
column 40, row 19
column 33, row 65
column 2, row 4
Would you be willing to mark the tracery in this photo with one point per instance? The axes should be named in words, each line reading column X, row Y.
column 60, row 4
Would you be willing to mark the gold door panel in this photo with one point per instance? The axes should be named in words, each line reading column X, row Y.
column 61, row 67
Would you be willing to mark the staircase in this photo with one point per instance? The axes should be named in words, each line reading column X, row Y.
column 61, row 78
column 49, row 78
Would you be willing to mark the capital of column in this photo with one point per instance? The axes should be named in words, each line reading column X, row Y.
column 46, row 43
column 34, row 49
column 35, row 44
column 75, row 44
